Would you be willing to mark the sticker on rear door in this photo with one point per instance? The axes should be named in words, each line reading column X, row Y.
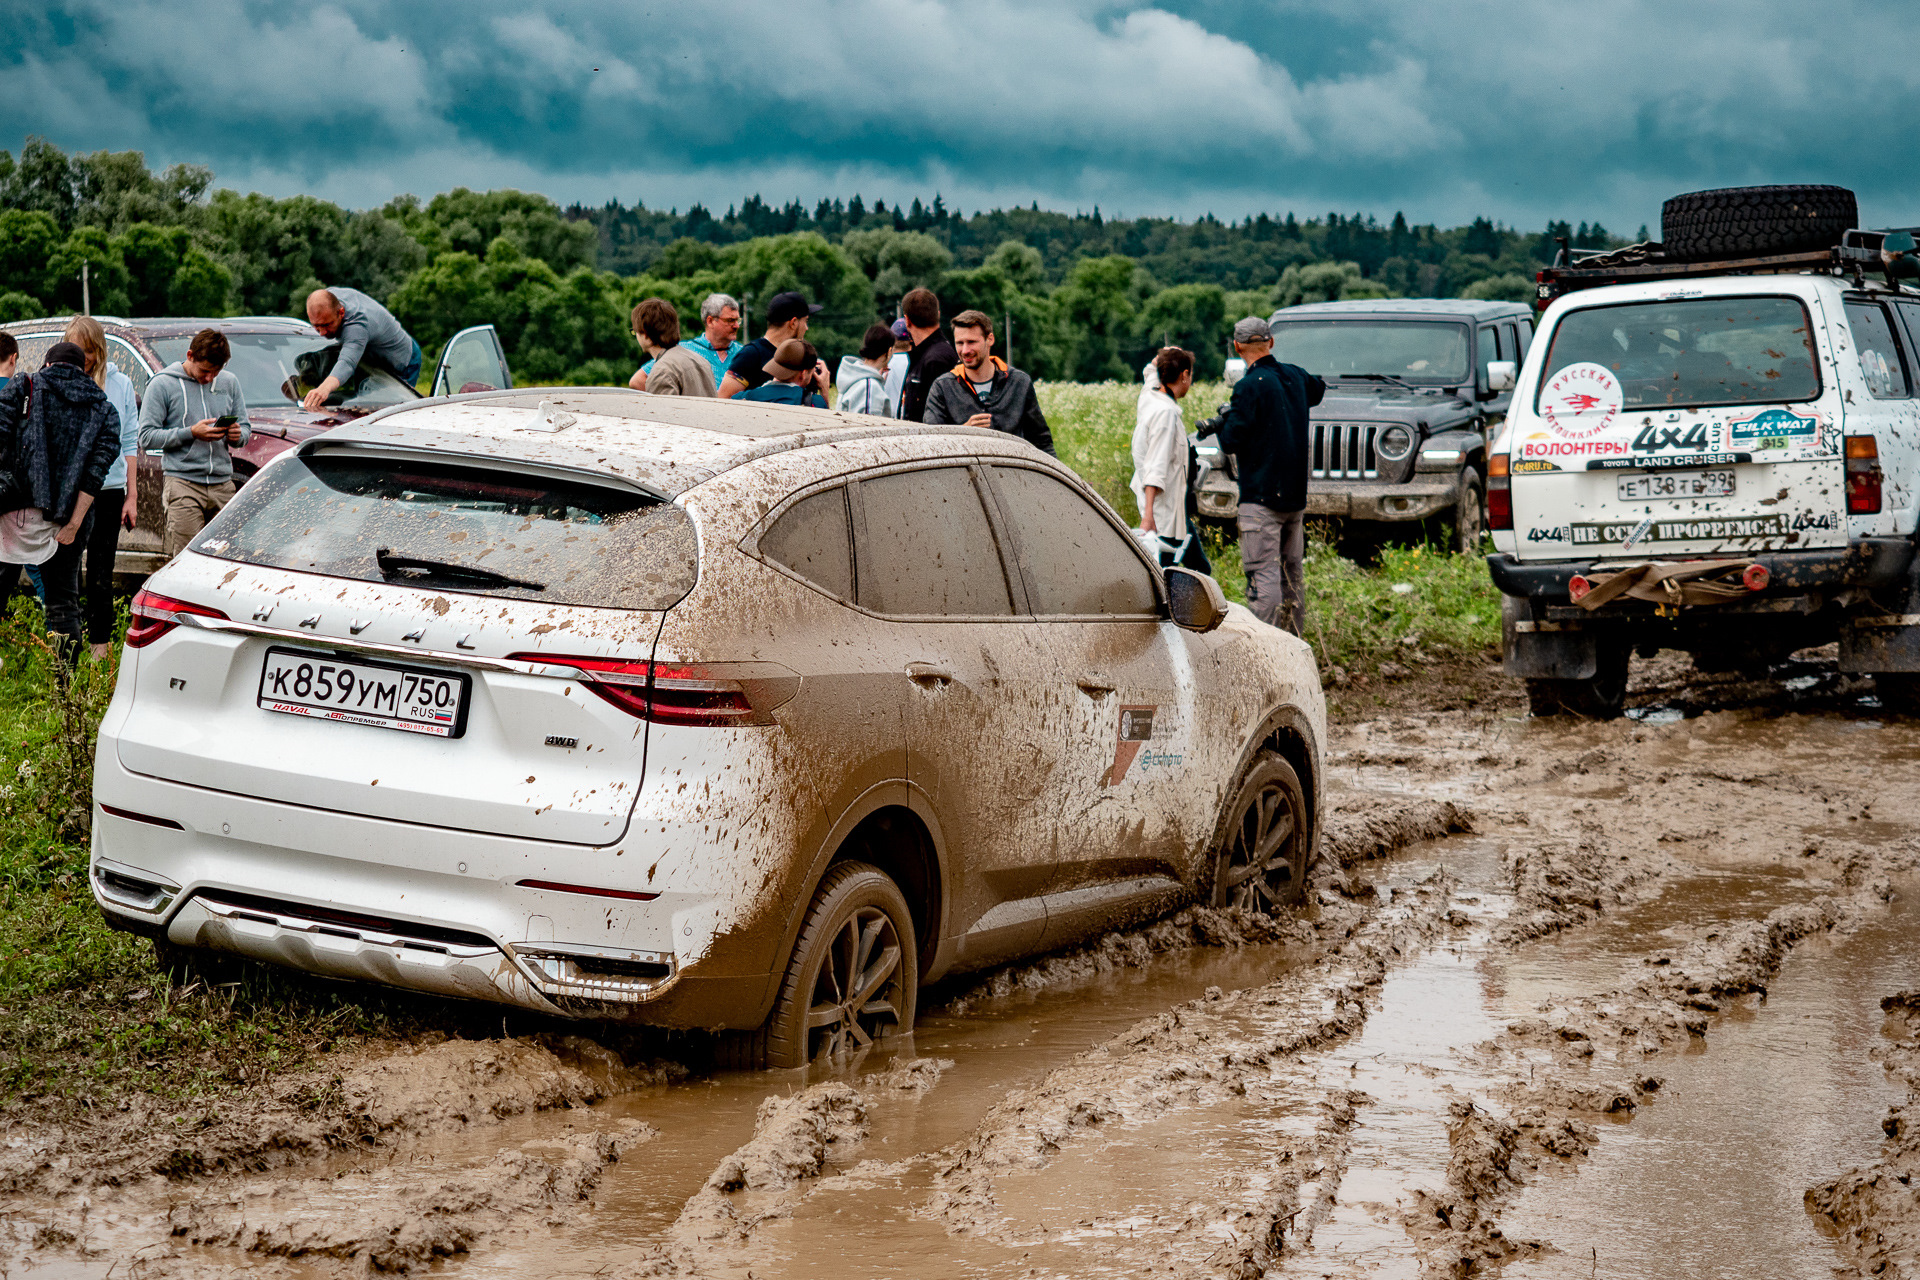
column 1777, row 429
column 1581, row 401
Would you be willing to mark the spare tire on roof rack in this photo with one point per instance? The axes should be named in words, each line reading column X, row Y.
column 1756, row 222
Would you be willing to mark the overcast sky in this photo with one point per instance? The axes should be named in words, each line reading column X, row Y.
column 1522, row 110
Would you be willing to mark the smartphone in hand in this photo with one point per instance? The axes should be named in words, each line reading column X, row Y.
column 226, row 420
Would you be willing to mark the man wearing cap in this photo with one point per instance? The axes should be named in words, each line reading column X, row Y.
column 787, row 318
column 897, row 364
column 793, row 376
column 1265, row 428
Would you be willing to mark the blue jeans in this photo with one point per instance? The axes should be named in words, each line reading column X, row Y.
column 411, row 374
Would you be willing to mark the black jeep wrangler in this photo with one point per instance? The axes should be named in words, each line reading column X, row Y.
column 1415, row 388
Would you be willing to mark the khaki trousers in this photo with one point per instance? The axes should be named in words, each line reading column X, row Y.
column 189, row 507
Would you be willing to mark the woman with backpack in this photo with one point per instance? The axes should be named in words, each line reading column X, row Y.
column 59, row 436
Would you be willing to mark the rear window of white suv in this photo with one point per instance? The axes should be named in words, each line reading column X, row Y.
column 460, row 528
column 1698, row 352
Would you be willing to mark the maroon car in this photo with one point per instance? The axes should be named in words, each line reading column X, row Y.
column 277, row 361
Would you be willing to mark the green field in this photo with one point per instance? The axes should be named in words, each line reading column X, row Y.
column 85, row 1013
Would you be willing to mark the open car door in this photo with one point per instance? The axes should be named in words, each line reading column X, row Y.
column 473, row 361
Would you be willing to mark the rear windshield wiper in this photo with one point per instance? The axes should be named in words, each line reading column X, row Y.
column 392, row 566
column 1377, row 377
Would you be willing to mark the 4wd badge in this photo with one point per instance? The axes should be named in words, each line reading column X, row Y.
column 1581, row 400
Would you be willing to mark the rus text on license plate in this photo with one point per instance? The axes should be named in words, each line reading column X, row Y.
column 323, row 687
column 1677, row 484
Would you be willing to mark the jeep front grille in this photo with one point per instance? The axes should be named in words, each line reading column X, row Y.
column 1345, row 451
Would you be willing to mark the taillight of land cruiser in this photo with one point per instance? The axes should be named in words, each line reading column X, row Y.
column 1499, row 493
column 1863, row 476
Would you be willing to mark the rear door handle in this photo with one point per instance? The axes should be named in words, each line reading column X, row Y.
column 928, row 676
column 1094, row 686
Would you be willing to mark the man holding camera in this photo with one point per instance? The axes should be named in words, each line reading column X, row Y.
column 795, row 375
column 194, row 412
column 1265, row 428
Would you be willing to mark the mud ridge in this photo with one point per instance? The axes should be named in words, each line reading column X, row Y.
column 795, row 1136
column 1874, row 1211
column 1557, row 1066
column 1208, row 1049
column 417, row 1089
column 1361, row 829
column 388, row 1221
column 1557, row 886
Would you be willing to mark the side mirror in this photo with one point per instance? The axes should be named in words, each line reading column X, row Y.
column 1236, row 370
column 1502, row 374
column 1197, row 602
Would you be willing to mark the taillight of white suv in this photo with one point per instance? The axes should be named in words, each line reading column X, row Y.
column 154, row 615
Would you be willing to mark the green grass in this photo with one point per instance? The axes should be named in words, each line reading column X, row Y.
column 1356, row 619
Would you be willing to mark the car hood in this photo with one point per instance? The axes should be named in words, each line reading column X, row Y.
column 1384, row 401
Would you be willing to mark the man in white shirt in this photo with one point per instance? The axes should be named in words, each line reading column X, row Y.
column 1159, row 481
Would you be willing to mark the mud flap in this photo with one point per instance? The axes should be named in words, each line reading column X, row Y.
column 1887, row 643
column 1544, row 650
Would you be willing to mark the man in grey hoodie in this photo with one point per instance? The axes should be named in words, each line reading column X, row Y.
column 364, row 328
column 862, row 380
column 182, row 417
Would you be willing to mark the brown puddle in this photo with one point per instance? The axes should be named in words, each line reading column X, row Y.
column 1708, row 1181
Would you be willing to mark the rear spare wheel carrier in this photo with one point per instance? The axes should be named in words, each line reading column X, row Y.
column 1751, row 222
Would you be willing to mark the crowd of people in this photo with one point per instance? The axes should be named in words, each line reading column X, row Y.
column 70, row 433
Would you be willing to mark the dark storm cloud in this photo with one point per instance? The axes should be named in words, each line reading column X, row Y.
column 1522, row 109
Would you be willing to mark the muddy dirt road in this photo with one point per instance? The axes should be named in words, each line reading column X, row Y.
column 1569, row 1000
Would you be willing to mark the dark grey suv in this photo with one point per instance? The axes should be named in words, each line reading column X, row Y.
column 1415, row 388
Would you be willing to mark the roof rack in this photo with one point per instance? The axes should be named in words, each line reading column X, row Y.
column 1890, row 252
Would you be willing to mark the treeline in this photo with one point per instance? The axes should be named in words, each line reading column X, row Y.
column 1084, row 298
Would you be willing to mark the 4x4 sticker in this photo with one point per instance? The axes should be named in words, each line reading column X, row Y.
column 1696, row 437
column 1716, row 528
column 1581, row 400
column 1776, row 429
column 1136, row 727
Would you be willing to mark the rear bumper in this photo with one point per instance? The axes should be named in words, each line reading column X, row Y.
column 1873, row 563
column 424, row 909
column 1415, row 500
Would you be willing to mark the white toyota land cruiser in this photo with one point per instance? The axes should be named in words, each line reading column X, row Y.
column 1714, row 446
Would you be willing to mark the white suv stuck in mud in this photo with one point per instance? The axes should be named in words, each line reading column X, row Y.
column 688, row 712
column 1716, row 454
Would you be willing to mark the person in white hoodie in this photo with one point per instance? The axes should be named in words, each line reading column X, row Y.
column 194, row 412
column 1159, row 481
column 862, row 378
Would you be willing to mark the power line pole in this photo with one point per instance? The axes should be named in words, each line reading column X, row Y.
column 86, row 293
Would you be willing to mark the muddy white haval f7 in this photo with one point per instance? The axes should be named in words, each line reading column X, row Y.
column 1714, row 446
column 689, row 712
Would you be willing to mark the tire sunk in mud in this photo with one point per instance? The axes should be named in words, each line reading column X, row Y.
column 854, row 977
column 1261, row 863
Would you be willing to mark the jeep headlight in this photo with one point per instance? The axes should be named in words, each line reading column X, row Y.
column 1395, row 443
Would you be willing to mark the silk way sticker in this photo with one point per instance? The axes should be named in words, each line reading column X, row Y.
column 1774, row 429
column 1581, row 400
